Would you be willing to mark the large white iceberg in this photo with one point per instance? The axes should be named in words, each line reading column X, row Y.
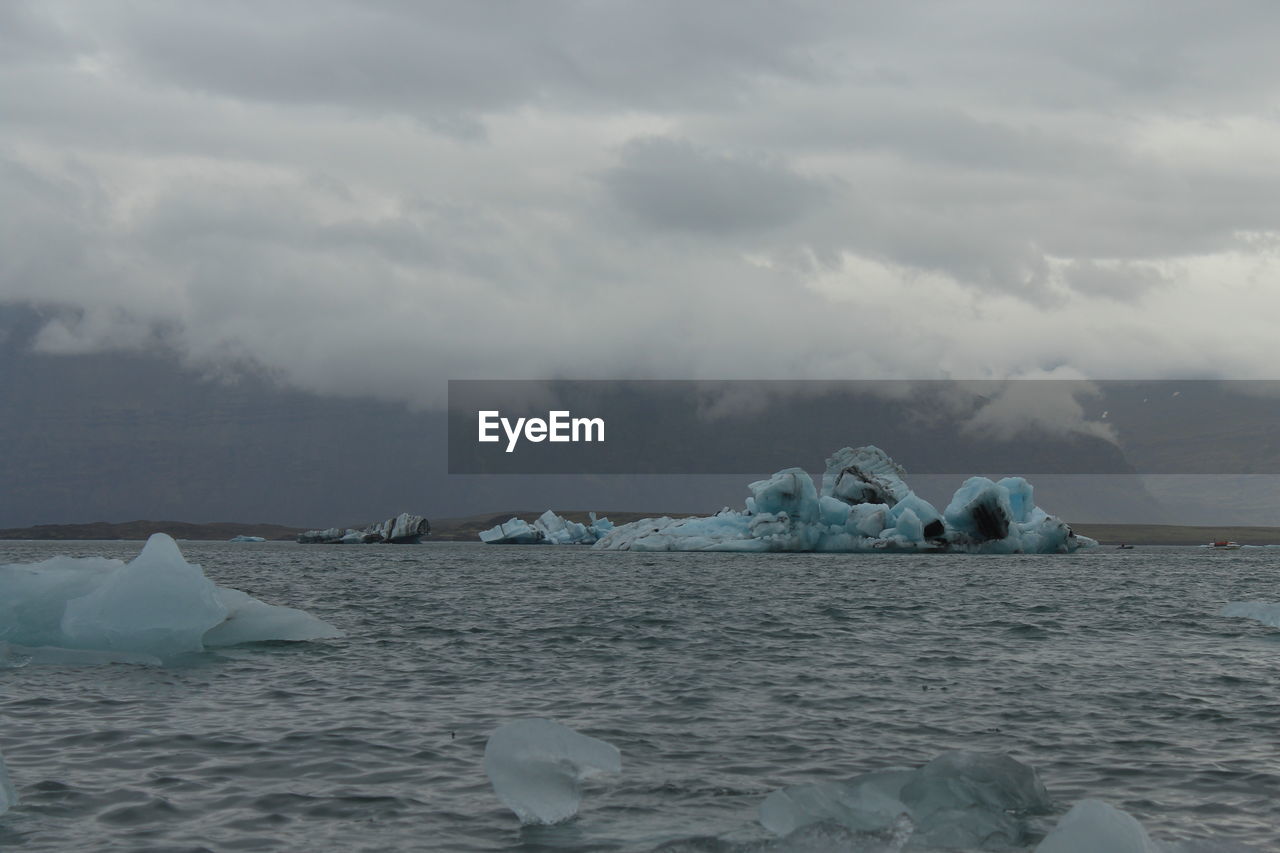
column 537, row 768
column 153, row 608
column 865, row 505
column 960, row 799
column 548, row 529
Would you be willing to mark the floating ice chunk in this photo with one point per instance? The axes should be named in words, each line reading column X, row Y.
column 8, row 796
column 249, row 620
column 549, row 528
column 1094, row 825
column 156, row 607
column 1265, row 612
column 243, row 538
column 536, row 768
column 973, row 799
column 865, row 803
column 512, row 532
column 33, row 596
column 960, row 799
column 158, row 602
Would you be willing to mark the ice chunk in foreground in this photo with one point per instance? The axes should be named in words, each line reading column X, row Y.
column 1095, row 825
column 960, row 799
column 536, row 767
column 157, row 601
column 252, row 621
column 8, row 796
column 865, row 803
column 154, row 608
column 1264, row 612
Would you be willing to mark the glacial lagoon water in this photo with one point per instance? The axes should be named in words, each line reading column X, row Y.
column 720, row 677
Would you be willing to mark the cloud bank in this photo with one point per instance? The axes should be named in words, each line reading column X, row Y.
column 372, row 198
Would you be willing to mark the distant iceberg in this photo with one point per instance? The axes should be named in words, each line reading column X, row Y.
column 153, row 608
column 404, row 529
column 244, row 538
column 865, row 505
column 547, row 529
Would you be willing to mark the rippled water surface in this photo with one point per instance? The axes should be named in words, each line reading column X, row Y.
column 720, row 678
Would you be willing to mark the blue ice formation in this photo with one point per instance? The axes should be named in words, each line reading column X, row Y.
column 537, row 767
column 547, row 529
column 865, row 505
column 244, row 538
column 149, row 610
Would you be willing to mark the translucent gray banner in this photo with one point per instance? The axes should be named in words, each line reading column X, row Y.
column 930, row 427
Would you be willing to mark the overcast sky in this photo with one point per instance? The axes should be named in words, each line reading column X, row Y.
column 375, row 197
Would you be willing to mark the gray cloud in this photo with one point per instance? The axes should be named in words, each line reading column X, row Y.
column 673, row 184
column 373, row 197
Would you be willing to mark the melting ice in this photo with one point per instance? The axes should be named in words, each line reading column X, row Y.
column 865, row 505
column 153, row 608
column 537, row 767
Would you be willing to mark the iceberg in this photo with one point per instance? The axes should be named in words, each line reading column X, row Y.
column 243, row 538
column 548, row 529
column 403, row 529
column 960, row 799
column 1095, row 825
column 537, row 766
column 149, row 610
column 8, row 796
column 864, row 505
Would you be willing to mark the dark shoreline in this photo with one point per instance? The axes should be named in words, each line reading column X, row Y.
column 467, row 530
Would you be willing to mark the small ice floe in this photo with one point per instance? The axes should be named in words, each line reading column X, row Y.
column 1265, row 612
column 1095, row 825
column 537, row 767
column 150, row 610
